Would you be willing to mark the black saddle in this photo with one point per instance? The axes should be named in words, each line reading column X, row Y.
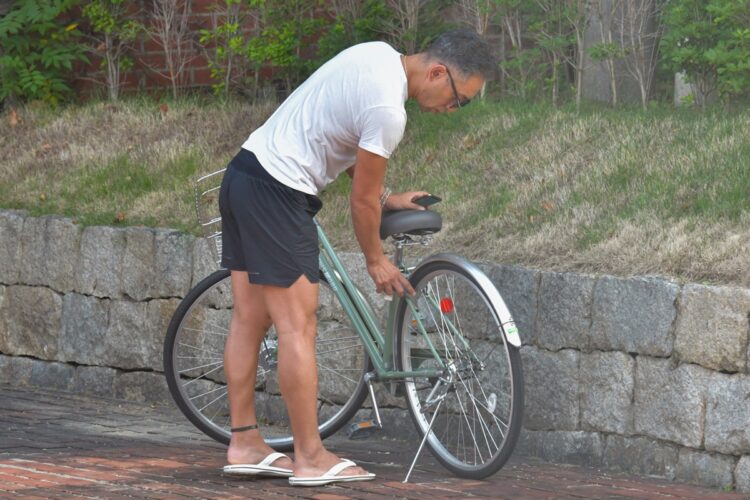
column 414, row 222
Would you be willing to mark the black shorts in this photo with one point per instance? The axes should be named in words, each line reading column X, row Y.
column 267, row 228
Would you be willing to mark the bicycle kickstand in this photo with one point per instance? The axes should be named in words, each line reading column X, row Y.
column 424, row 440
column 365, row 428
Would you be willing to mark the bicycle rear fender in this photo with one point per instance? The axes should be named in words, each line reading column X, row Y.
column 507, row 325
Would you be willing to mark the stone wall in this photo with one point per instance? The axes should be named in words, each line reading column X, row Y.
column 637, row 374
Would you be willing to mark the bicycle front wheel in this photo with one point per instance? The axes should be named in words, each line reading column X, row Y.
column 194, row 365
column 479, row 395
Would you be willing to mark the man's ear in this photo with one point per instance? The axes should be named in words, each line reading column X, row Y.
column 436, row 71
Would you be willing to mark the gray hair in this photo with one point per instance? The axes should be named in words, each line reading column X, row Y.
column 465, row 51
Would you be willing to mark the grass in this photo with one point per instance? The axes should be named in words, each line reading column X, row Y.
column 623, row 191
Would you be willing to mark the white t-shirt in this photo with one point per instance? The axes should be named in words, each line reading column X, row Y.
column 355, row 100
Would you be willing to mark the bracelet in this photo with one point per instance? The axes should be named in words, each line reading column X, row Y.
column 384, row 197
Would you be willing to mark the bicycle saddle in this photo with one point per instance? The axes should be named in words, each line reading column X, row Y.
column 416, row 222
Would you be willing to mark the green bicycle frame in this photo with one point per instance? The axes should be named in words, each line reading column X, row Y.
column 378, row 346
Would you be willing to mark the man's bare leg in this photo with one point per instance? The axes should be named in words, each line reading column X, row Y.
column 250, row 321
column 293, row 312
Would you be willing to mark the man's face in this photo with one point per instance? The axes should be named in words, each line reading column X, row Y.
column 446, row 91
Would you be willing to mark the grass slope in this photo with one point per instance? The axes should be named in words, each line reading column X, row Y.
column 617, row 191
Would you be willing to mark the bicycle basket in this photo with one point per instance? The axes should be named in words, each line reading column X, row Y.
column 207, row 210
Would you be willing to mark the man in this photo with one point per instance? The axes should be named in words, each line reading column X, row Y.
column 348, row 116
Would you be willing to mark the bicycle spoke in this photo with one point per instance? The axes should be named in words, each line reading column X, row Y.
column 203, row 330
column 204, row 375
column 348, row 347
column 212, row 402
column 196, row 357
column 201, row 366
column 207, row 392
column 483, row 425
column 326, row 368
column 336, row 340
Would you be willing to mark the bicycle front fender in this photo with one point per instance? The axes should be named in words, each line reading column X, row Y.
column 508, row 326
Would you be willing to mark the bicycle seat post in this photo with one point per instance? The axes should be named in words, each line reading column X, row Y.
column 401, row 241
column 398, row 255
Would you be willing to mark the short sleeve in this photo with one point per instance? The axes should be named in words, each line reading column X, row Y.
column 382, row 128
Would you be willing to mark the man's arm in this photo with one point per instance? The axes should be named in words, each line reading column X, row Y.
column 396, row 201
column 367, row 186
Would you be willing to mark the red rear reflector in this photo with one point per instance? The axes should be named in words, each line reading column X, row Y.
column 446, row 305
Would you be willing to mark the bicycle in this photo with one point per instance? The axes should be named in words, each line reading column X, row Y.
column 451, row 351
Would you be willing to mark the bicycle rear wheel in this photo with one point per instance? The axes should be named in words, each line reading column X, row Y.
column 194, row 365
column 481, row 385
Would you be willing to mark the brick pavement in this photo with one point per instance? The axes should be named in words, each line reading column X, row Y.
column 59, row 445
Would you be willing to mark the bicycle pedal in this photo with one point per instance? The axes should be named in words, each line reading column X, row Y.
column 362, row 430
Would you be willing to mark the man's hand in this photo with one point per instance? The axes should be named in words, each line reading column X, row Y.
column 388, row 279
column 403, row 201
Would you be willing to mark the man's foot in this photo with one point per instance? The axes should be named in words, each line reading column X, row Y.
column 343, row 471
column 321, row 463
column 251, row 449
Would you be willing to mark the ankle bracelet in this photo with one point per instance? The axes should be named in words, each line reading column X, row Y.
column 245, row 428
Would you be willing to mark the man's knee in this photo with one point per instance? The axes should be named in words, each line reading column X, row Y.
column 247, row 318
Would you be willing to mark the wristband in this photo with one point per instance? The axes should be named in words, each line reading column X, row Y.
column 384, row 197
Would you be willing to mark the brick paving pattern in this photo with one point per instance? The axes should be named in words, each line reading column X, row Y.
column 59, row 445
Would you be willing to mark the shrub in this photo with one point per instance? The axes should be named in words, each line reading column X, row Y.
column 38, row 51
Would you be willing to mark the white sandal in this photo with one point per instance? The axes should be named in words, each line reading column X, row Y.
column 332, row 476
column 263, row 468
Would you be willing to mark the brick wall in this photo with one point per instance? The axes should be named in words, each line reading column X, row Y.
column 149, row 56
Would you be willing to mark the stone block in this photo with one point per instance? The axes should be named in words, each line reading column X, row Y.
column 115, row 333
column 159, row 314
column 54, row 375
column 552, row 389
column 85, row 320
column 607, row 383
column 204, row 259
column 742, row 475
column 49, row 246
column 100, row 263
column 634, row 315
column 95, row 381
column 138, row 276
column 129, row 339
column 16, row 370
column 62, row 239
column 32, row 321
column 11, row 230
column 142, row 387
column 728, row 414
column 640, row 455
column 173, row 263
column 670, row 402
column 706, row 469
column 3, row 326
column 564, row 314
column 33, row 263
column 572, row 447
column 518, row 287
column 712, row 327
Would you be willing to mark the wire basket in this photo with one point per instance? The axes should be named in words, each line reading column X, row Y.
column 207, row 210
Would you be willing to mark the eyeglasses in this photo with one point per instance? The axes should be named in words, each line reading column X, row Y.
column 459, row 102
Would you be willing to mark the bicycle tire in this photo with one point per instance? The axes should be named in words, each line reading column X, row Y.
column 199, row 327
column 480, row 417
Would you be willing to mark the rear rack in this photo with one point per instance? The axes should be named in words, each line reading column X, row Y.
column 207, row 209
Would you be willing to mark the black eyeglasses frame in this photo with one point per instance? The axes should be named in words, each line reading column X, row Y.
column 459, row 104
